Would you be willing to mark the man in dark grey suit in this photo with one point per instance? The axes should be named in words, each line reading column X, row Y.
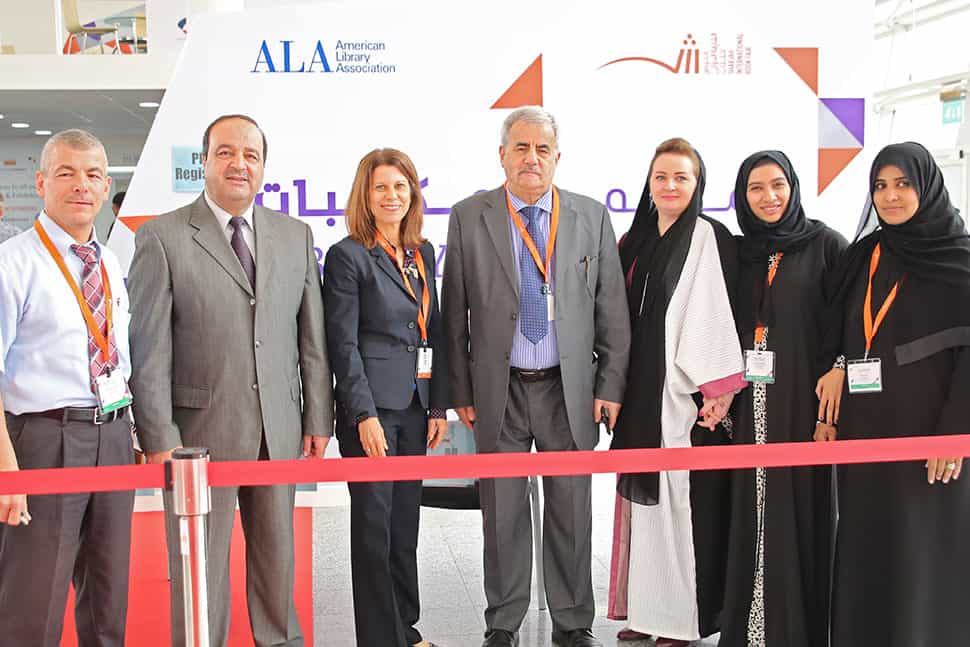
column 538, row 337
column 227, row 325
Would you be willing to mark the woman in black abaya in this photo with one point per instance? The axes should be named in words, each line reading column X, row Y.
column 902, row 567
column 781, row 525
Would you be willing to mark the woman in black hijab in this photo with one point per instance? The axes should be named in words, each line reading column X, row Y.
column 902, row 566
column 781, row 519
column 685, row 360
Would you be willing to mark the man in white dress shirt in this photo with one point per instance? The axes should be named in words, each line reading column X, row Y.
column 64, row 365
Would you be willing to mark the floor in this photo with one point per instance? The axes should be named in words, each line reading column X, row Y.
column 450, row 563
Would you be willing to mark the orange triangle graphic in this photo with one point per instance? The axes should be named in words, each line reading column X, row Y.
column 134, row 222
column 831, row 162
column 804, row 61
column 525, row 90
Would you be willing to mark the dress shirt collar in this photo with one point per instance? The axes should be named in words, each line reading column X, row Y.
column 223, row 216
column 544, row 202
column 63, row 240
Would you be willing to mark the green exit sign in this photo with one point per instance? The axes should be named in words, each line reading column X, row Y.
column 953, row 111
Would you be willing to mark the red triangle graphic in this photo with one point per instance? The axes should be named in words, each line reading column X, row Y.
column 525, row 90
column 804, row 61
column 831, row 162
column 134, row 222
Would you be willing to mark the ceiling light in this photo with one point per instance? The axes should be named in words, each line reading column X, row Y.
column 18, row 124
column 42, row 132
column 148, row 104
column 1, row 116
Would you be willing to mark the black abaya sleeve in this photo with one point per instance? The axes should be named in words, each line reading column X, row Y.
column 953, row 416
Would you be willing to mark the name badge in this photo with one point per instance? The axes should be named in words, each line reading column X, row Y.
column 550, row 302
column 424, row 362
column 112, row 392
column 759, row 366
column 865, row 375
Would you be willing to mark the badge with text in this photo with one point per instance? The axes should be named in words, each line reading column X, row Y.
column 759, row 366
column 112, row 392
column 865, row 375
column 424, row 362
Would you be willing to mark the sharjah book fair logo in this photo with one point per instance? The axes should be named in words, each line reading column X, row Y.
column 715, row 58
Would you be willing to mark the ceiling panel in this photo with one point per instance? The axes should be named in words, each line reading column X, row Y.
column 103, row 112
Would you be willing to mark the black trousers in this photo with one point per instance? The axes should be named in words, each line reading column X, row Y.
column 82, row 538
column 384, row 518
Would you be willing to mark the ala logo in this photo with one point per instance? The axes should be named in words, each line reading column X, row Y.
column 713, row 60
column 347, row 56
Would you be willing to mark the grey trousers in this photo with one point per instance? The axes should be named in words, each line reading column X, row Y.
column 266, row 513
column 79, row 538
column 536, row 412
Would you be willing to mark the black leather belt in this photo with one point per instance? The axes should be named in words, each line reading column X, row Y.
column 535, row 375
column 91, row 415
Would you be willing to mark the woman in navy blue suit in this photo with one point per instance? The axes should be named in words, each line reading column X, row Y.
column 386, row 347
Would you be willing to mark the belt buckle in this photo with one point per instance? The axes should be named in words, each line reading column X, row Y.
column 96, row 416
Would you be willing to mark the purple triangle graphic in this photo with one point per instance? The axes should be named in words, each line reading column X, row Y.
column 852, row 114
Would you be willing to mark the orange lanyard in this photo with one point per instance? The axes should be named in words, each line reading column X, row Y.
column 100, row 337
column 553, row 228
column 872, row 328
column 759, row 332
column 425, row 293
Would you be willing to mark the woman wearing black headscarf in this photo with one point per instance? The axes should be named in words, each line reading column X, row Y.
column 902, row 567
column 685, row 359
column 781, row 519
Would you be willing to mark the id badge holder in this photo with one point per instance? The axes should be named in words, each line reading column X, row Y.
column 759, row 366
column 865, row 375
column 424, row 362
column 112, row 391
column 550, row 302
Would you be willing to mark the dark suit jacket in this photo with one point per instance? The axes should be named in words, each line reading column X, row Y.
column 373, row 335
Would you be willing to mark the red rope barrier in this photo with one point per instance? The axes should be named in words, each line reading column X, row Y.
column 404, row 468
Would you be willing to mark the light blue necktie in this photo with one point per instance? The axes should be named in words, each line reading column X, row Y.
column 533, row 308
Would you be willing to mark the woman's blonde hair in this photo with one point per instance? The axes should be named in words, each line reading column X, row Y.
column 677, row 146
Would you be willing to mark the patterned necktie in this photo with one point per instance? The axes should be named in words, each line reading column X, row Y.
column 533, row 308
column 93, row 292
column 242, row 249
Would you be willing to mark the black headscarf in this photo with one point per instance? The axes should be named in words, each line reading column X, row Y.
column 934, row 242
column 761, row 239
column 933, row 245
column 653, row 264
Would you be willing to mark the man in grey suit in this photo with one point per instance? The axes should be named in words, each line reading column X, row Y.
column 227, row 328
column 538, row 336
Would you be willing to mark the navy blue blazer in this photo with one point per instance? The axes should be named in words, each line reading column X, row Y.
column 373, row 334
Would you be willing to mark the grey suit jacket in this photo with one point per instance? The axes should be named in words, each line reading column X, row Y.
column 215, row 363
column 480, row 304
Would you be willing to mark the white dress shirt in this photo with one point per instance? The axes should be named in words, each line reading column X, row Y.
column 223, row 217
column 44, row 361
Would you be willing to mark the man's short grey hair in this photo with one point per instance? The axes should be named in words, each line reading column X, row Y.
column 530, row 115
column 74, row 138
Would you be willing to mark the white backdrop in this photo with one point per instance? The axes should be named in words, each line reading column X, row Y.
column 451, row 62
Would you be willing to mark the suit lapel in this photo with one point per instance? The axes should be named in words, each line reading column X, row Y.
column 383, row 261
column 265, row 247
column 565, row 241
column 213, row 240
column 496, row 218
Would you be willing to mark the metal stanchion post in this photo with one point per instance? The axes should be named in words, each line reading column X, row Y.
column 188, row 478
